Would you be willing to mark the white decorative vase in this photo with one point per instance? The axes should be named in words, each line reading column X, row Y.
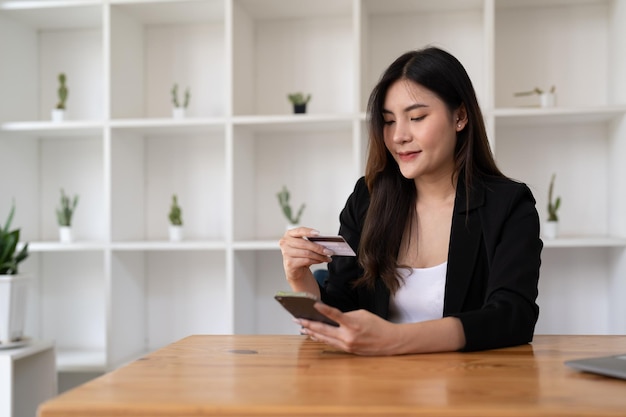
column 58, row 115
column 13, row 298
column 176, row 233
column 178, row 112
column 547, row 99
column 550, row 229
column 65, row 234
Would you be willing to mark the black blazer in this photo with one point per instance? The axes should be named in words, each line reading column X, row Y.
column 493, row 264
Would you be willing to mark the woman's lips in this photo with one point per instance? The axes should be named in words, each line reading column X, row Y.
column 408, row 156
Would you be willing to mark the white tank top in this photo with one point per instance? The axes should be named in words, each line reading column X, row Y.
column 420, row 298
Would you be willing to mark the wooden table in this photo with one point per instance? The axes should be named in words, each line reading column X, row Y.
column 294, row 376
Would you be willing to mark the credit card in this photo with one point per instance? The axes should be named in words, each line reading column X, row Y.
column 337, row 244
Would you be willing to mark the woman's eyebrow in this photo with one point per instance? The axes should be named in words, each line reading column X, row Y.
column 407, row 109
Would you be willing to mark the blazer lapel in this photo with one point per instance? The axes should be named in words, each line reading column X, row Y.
column 465, row 240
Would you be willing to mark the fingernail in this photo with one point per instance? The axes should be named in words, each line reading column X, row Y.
column 328, row 252
column 314, row 232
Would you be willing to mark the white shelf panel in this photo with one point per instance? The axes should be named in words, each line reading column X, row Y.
column 55, row 14
column 585, row 242
column 158, row 12
column 507, row 4
column 168, row 246
column 81, row 360
column 557, row 115
column 257, row 245
column 66, row 247
column 296, row 122
column 284, row 9
column 413, row 6
column 54, row 129
column 168, row 125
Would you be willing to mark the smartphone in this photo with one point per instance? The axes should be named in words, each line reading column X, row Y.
column 337, row 244
column 300, row 305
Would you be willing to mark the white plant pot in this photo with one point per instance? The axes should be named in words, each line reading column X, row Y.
column 178, row 112
column 13, row 298
column 550, row 229
column 65, row 234
column 292, row 226
column 58, row 115
column 176, row 233
column 547, row 99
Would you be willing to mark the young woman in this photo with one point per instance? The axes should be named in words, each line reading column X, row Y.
column 448, row 248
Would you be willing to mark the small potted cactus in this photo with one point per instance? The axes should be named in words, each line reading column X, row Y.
column 546, row 99
column 283, row 201
column 64, row 217
column 551, row 226
column 299, row 101
column 176, row 221
column 179, row 109
column 58, row 113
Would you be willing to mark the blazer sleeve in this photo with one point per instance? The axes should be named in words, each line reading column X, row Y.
column 509, row 311
column 338, row 290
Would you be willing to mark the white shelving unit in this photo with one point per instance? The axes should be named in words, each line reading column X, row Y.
column 122, row 289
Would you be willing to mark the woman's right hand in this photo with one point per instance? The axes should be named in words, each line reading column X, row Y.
column 299, row 254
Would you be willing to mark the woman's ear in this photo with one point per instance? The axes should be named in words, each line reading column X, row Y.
column 460, row 118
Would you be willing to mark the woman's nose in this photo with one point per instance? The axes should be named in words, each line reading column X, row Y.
column 401, row 132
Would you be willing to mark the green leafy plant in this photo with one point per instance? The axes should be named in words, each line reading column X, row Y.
column 298, row 99
column 175, row 101
column 553, row 206
column 66, row 209
column 538, row 91
column 62, row 92
column 283, row 200
column 10, row 257
column 175, row 214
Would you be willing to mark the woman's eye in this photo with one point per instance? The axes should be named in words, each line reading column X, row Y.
column 417, row 119
column 388, row 122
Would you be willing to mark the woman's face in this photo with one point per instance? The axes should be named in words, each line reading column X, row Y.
column 419, row 131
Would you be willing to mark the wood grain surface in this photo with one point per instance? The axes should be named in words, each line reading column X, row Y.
column 294, row 376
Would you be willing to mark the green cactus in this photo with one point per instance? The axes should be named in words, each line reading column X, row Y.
column 553, row 207
column 175, row 101
column 66, row 211
column 175, row 214
column 298, row 98
column 62, row 92
column 283, row 200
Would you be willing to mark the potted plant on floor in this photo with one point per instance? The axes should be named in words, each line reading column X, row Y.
column 64, row 217
column 551, row 226
column 58, row 113
column 299, row 101
column 283, row 200
column 176, row 221
column 178, row 110
column 13, row 286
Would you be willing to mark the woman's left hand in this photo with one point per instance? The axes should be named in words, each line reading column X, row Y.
column 359, row 332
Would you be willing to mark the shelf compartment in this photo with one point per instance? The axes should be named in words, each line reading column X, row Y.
column 184, row 245
column 45, row 41
column 526, row 59
column 282, row 46
column 393, row 27
column 155, row 45
column 149, row 168
column 316, row 166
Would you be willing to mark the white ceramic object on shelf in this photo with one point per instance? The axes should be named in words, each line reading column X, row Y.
column 178, row 113
column 65, row 234
column 176, row 233
column 57, row 115
column 547, row 99
column 13, row 297
column 550, row 229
